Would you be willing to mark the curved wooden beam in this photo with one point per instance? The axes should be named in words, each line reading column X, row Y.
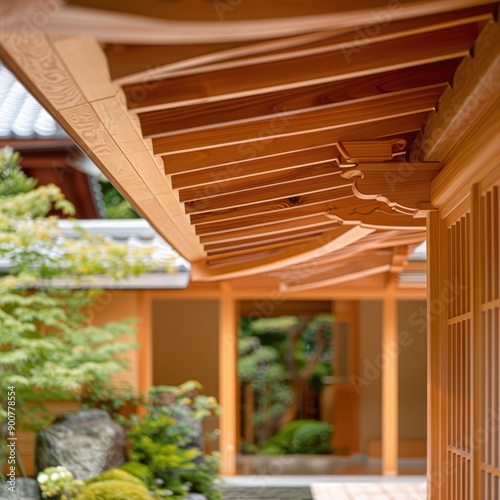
column 329, row 242
column 348, row 270
column 153, row 22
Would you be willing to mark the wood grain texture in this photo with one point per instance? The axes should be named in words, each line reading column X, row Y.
column 224, row 173
column 272, row 206
column 291, row 189
column 346, row 209
column 377, row 240
column 362, row 266
column 248, row 131
column 310, row 70
column 230, row 147
column 263, row 147
column 211, row 114
column 261, row 219
column 273, row 229
column 255, row 182
column 328, row 242
column 390, row 381
column 199, row 22
column 239, row 252
column 475, row 87
column 290, row 236
column 45, row 75
column 333, row 116
column 403, row 194
column 133, row 64
column 102, row 128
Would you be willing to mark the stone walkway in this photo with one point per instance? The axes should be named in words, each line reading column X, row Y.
column 369, row 491
column 325, row 488
column 267, row 493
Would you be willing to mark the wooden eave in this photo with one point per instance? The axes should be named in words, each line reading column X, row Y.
column 308, row 154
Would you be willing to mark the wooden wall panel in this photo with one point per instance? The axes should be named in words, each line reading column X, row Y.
column 489, row 304
column 464, row 363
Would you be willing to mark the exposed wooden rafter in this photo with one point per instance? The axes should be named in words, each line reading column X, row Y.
column 289, row 151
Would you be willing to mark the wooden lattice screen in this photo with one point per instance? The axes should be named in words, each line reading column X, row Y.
column 458, row 337
column 464, row 356
column 490, row 341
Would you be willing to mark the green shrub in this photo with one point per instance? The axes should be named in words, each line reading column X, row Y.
column 167, row 439
column 309, row 437
column 202, row 478
column 118, row 475
column 114, row 490
column 140, row 471
column 272, row 449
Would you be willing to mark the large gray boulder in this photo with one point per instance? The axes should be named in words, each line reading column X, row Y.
column 24, row 489
column 86, row 442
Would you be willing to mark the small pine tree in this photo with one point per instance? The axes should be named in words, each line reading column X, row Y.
column 48, row 349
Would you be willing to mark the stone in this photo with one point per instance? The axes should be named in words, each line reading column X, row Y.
column 25, row 489
column 86, row 442
column 196, row 496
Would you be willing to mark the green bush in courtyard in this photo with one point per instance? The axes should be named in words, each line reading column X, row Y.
column 116, row 475
column 48, row 348
column 114, row 490
column 167, row 439
column 138, row 470
column 309, row 437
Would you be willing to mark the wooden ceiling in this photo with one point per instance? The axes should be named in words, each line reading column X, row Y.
column 295, row 154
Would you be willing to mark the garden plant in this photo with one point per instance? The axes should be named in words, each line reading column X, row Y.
column 48, row 348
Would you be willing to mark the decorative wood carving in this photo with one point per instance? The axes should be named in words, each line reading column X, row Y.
column 402, row 186
column 375, row 214
column 275, row 152
column 370, row 151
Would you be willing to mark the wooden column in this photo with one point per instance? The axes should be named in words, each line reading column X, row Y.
column 345, row 417
column 390, row 387
column 145, row 339
column 436, row 357
column 483, row 363
column 228, row 381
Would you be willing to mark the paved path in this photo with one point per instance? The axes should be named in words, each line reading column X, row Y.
column 267, row 493
column 369, row 491
column 325, row 488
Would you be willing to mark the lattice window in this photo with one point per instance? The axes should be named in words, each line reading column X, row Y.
column 490, row 342
column 459, row 353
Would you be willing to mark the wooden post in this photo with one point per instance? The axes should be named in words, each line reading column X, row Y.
column 228, row 388
column 483, row 368
column 436, row 358
column 145, row 339
column 390, row 387
column 346, row 401
column 249, row 402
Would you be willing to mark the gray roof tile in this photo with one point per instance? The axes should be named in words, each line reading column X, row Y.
column 21, row 116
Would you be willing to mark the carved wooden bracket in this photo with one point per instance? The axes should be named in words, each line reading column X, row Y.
column 404, row 187
column 354, row 152
column 373, row 214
